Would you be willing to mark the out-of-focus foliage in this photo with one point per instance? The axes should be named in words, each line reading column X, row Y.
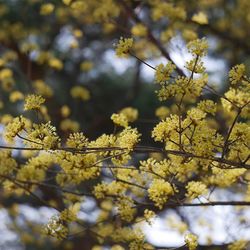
column 107, row 153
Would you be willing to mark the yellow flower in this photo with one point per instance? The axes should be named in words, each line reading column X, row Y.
column 47, row 9
column 163, row 73
column 41, row 88
column 65, row 111
column 120, row 120
column 55, row 63
column 14, row 127
column 139, row 30
column 86, row 66
column 77, row 141
column 16, row 96
column 195, row 189
column 191, row 241
column 200, row 18
column 5, row 73
column 162, row 112
column 238, row 245
column 69, row 125
column 237, row 73
column 207, row 106
column 149, row 215
column 159, row 192
column 67, row 2
column 123, row 47
column 33, row 102
column 80, row 92
column 198, row 47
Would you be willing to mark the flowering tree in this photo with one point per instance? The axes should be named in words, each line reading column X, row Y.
column 196, row 145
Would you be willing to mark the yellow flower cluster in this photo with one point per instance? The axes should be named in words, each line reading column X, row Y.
column 163, row 73
column 139, row 30
column 198, row 47
column 126, row 208
column 128, row 138
column 56, row 228
column 149, row 215
column 7, row 163
column 120, row 120
column 191, row 241
column 238, row 245
column 237, row 73
column 162, row 112
column 195, row 65
column 42, row 88
column 195, row 189
column 77, row 141
column 164, row 9
column 159, row 192
column 224, row 177
column 80, row 92
column 161, row 168
column 69, row 125
column 108, row 189
column 70, row 214
column 200, row 18
column 124, row 46
column 42, row 136
column 125, row 116
column 46, row 9
column 16, row 96
column 207, row 106
column 55, row 63
column 181, row 86
column 14, row 127
column 86, row 66
column 166, row 128
column 33, row 102
column 76, row 167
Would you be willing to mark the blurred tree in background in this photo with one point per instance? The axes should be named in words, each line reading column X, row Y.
column 90, row 139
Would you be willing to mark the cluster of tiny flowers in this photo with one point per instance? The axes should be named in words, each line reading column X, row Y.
column 191, row 241
column 33, row 102
column 125, row 208
column 125, row 116
column 70, row 214
column 77, row 141
column 159, row 191
column 238, row 245
column 163, row 130
column 195, row 189
column 237, row 73
column 207, row 106
column 149, row 215
column 130, row 113
column 56, row 228
column 198, row 47
column 14, row 127
column 195, row 66
column 43, row 135
column 120, row 120
column 7, row 163
column 128, row 138
column 163, row 73
column 123, row 47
